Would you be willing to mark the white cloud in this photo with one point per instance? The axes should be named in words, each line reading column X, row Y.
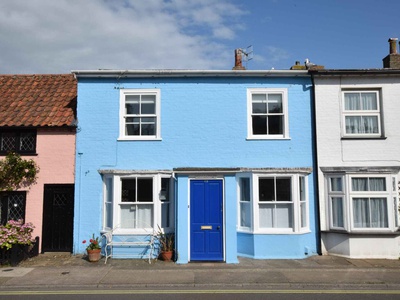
column 47, row 36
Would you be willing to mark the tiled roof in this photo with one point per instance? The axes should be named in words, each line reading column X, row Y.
column 38, row 100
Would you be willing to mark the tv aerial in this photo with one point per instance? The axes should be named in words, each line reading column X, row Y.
column 247, row 53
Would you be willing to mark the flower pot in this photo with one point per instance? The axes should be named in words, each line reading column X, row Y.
column 166, row 255
column 94, row 255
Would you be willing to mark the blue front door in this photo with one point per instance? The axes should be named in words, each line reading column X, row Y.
column 206, row 211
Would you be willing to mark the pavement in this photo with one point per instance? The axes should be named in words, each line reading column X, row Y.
column 66, row 271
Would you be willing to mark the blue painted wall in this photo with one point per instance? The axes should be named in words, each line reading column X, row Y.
column 203, row 124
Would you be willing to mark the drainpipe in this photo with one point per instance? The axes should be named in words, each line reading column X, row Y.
column 315, row 163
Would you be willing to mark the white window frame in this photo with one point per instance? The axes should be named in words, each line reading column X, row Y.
column 123, row 115
column 337, row 194
column 116, row 180
column 362, row 113
column 391, row 196
column 239, row 226
column 297, row 227
column 285, row 133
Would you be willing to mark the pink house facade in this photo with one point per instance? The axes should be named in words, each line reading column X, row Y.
column 38, row 121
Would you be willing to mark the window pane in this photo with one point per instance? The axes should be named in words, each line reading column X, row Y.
column 27, row 141
column 353, row 125
column 132, row 129
column 259, row 124
column 136, row 216
column 259, row 108
column 369, row 124
column 259, row 97
column 302, row 188
column 266, row 189
column 148, row 104
column 244, row 186
column 283, row 216
column 303, row 217
column 145, row 190
column 361, row 213
column 108, row 207
column 377, row 184
column 8, row 141
column 359, row 184
column 352, row 101
column 128, row 193
column 164, row 193
column 369, row 101
column 336, row 184
column 266, row 212
column 132, row 108
column 283, row 189
column 245, row 214
column 165, row 220
column 275, row 103
column 378, row 208
column 148, row 129
column 337, row 212
column 275, row 124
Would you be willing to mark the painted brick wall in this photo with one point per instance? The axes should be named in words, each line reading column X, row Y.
column 203, row 124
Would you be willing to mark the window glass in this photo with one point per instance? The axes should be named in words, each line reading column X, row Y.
column 245, row 208
column 12, row 206
column 128, row 193
column 283, row 189
column 20, row 141
column 370, row 212
column 336, row 184
column 337, row 212
column 266, row 189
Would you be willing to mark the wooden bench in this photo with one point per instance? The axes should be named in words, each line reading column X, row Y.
column 112, row 239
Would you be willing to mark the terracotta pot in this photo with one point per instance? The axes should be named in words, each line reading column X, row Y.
column 166, row 255
column 94, row 255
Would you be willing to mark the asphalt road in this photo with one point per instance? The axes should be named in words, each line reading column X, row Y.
column 209, row 294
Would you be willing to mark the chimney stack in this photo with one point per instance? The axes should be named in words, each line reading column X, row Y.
column 392, row 61
column 238, row 60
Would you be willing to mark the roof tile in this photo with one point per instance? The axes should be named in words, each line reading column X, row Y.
column 38, row 100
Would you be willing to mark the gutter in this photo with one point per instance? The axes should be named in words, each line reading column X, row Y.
column 187, row 73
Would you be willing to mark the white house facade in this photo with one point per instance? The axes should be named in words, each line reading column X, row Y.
column 358, row 141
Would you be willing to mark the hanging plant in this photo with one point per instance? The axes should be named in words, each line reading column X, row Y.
column 16, row 172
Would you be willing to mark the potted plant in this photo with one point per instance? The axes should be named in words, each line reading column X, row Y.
column 93, row 249
column 166, row 243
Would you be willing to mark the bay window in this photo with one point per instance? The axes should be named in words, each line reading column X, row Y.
column 273, row 203
column 369, row 199
column 136, row 202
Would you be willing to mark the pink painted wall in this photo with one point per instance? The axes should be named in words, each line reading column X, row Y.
column 55, row 150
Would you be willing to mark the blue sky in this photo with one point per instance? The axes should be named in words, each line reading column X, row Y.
column 47, row 36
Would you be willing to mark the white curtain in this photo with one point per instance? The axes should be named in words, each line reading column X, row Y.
column 337, row 212
column 245, row 214
column 368, row 184
column 360, row 101
column 136, row 216
column 362, row 124
column 370, row 212
column 276, row 216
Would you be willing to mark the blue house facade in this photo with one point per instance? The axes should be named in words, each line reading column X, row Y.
column 224, row 159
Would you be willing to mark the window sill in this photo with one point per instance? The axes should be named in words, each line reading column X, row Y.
column 123, row 139
column 267, row 138
column 351, row 138
column 368, row 232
